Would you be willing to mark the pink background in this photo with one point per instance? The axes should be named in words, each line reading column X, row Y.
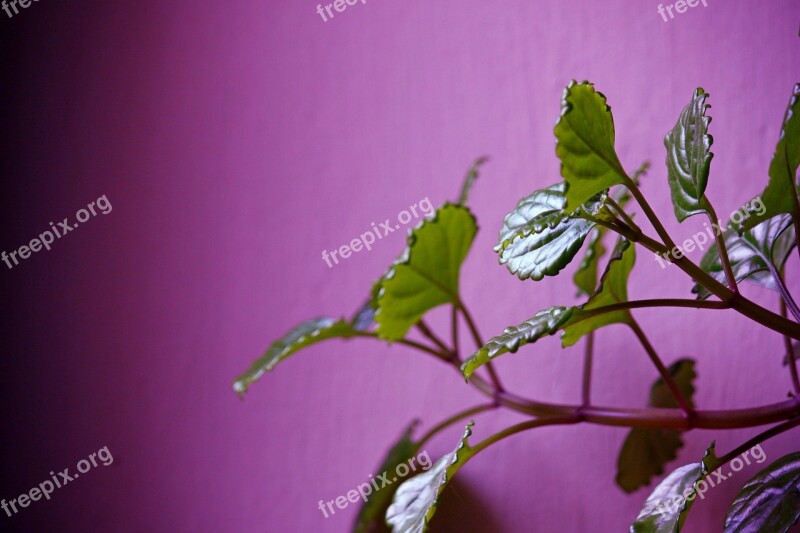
column 236, row 141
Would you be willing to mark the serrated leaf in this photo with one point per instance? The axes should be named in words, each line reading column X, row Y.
column 751, row 254
column 415, row 501
column 770, row 501
column 426, row 274
column 539, row 238
column 613, row 289
column 469, row 179
column 304, row 335
column 780, row 194
column 543, row 323
column 645, row 451
column 373, row 511
column 667, row 506
column 689, row 158
column 585, row 144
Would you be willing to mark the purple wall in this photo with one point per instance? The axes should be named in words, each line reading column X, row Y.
column 236, row 141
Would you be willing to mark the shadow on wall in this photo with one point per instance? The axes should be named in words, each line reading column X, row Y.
column 460, row 506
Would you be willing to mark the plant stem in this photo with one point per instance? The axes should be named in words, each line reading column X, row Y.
column 723, row 250
column 665, row 375
column 523, row 426
column 761, row 437
column 618, row 417
column 426, row 331
column 479, row 344
column 454, row 325
column 787, row 300
column 790, row 354
column 406, row 342
column 735, row 301
column 453, row 419
column 621, row 212
column 587, row 370
column 649, row 213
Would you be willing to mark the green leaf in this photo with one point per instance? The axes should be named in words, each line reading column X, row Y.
column 646, row 451
column 372, row 513
column 613, row 289
column 780, row 194
column 415, row 501
column 689, row 158
column 770, row 501
column 539, row 238
column 585, row 144
column 666, row 508
column 545, row 322
column 469, row 179
column 751, row 254
column 426, row 274
column 304, row 335
column 585, row 277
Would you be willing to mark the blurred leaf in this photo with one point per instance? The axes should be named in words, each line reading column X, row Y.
column 545, row 322
column 666, row 508
column 426, row 274
column 365, row 316
column 780, row 194
column 371, row 516
column 306, row 334
column 751, row 253
column 689, row 158
column 770, row 502
column 469, row 179
column 585, row 144
column 539, row 238
column 646, row 451
column 613, row 289
column 415, row 501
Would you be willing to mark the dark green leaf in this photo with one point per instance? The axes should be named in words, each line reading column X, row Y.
column 769, row 502
column 752, row 253
column 689, row 158
column 426, row 274
column 415, row 501
column 780, row 194
column 545, row 322
column 306, row 334
column 539, row 238
column 373, row 512
column 646, row 451
column 666, row 508
column 585, row 144
column 613, row 289
column 469, row 179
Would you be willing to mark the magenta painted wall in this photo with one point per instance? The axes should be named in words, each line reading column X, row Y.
column 238, row 140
